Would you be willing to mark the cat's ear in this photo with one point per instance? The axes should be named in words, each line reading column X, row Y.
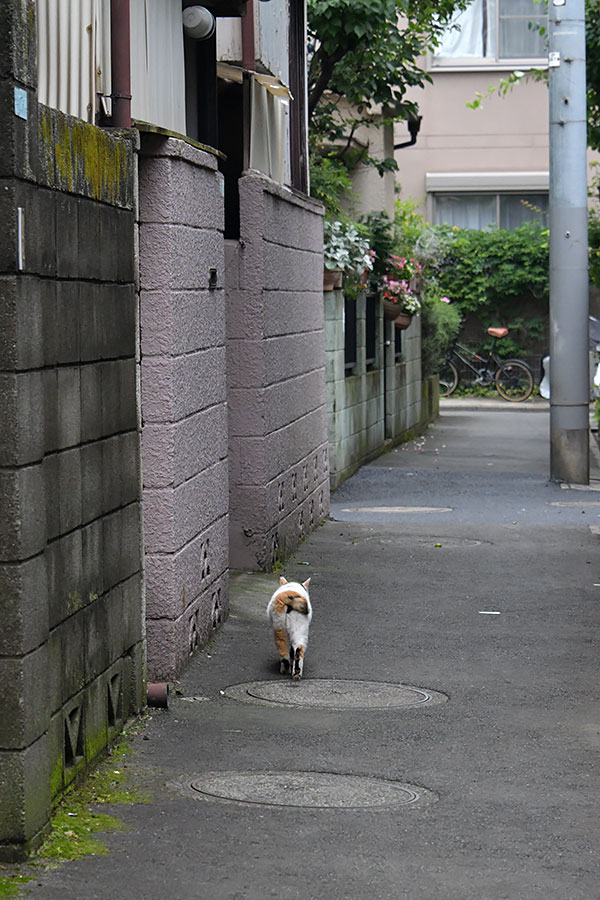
column 282, row 580
column 306, row 583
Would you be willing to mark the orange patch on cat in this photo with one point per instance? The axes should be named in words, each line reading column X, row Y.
column 281, row 641
column 291, row 599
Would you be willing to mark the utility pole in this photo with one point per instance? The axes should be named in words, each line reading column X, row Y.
column 569, row 299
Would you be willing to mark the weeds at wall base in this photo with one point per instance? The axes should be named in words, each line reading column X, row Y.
column 77, row 822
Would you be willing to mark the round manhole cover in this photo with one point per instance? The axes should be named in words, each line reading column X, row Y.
column 335, row 694
column 311, row 790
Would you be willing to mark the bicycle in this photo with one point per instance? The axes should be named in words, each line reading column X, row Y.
column 512, row 378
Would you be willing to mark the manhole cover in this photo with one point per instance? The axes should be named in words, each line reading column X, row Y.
column 576, row 504
column 395, row 510
column 313, row 790
column 430, row 541
column 451, row 542
column 335, row 694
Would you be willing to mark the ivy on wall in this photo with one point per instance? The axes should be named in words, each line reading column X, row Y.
column 496, row 277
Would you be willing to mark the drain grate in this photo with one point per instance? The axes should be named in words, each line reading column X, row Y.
column 335, row 694
column 308, row 790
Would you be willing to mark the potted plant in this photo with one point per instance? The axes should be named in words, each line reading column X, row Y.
column 398, row 290
column 346, row 255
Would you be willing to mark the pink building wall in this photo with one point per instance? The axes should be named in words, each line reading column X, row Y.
column 183, row 400
column 279, row 467
column 506, row 134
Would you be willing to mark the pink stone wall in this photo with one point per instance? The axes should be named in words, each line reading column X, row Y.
column 183, row 400
column 278, row 463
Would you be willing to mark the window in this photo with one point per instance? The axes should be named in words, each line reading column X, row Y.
column 493, row 30
column 471, row 210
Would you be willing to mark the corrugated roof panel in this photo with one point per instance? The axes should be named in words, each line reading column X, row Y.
column 74, row 59
column 66, row 55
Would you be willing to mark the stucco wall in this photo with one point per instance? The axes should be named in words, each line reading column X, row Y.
column 372, row 192
column 507, row 134
column 279, row 467
column 71, row 641
column 184, row 412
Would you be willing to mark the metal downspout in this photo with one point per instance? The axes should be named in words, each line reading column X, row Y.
column 120, row 63
column 248, row 38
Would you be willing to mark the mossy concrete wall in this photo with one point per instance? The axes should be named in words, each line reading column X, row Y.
column 371, row 407
column 71, row 642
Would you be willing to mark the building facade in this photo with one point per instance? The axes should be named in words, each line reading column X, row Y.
column 489, row 165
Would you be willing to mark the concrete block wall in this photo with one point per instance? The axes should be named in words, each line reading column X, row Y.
column 367, row 409
column 279, row 463
column 355, row 400
column 403, row 381
column 71, row 642
column 183, row 393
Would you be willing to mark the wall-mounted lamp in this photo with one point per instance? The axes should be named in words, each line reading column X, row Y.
column 198, row 23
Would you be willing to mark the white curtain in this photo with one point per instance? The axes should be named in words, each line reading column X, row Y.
column 464, row 37
column 495, row 29
column 466, row 210
column 516, row 209
column 157, row 64
column 269, row 130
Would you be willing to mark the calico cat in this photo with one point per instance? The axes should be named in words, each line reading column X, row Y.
column 290, row 613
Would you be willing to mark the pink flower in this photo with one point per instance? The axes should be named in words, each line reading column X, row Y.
column 445, row 299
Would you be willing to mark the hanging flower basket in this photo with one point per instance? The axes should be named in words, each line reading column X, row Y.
column 400, row 302
column 403, row 321
column 391, row 310
column 393, row 313
column 332, row 279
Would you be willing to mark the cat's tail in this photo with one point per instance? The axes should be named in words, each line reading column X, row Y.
column 291, row 600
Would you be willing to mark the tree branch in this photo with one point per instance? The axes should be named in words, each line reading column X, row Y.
column 327, row 65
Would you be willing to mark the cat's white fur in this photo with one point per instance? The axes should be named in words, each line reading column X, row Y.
column 290, row 626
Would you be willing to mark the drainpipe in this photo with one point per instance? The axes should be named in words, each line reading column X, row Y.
column 414, row 124
column 120, row 63
column 248, row 38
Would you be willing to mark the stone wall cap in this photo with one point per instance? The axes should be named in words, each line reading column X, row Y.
column 285, row 192
column 176, row 146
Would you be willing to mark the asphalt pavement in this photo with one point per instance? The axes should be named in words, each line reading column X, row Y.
column 444, row 743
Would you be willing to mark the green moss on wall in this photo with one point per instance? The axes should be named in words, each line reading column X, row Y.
column 78, row 820
column 56, row 778
column 83, row 159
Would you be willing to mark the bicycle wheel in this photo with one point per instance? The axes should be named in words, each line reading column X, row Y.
column 514, row 380
column 448, row 379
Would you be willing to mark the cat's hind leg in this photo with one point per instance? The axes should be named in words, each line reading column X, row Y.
column 297, row 661
column 281, row 642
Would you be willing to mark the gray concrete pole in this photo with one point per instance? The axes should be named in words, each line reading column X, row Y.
column 569, row 301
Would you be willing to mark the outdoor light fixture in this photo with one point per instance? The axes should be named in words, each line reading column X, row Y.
column 198, row 23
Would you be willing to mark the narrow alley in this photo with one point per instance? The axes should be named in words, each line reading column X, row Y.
column 444, row 742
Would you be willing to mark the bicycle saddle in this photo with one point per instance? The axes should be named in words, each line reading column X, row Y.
column 498, row 332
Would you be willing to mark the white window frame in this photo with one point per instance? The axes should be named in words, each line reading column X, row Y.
column 495, row 183
column 496, row 62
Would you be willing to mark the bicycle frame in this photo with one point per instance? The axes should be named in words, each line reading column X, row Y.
column 483, row 374
column 512, row 378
